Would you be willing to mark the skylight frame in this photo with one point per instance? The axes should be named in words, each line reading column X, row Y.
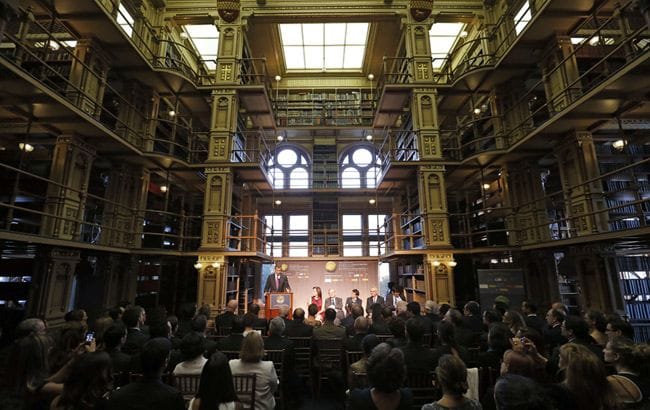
column 321, row 47
column 449, row 33
column 199, row 36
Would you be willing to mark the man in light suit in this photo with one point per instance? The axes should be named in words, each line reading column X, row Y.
column 374, row 298
column 333, row 302
column 277, row 282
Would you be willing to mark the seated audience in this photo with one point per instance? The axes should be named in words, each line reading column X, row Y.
column 597, row 326
column 448, row 344
column 277, row 341
column 498, row 342
column 417, row 358
column 514, row 362
column 250, row 362
column 472, row 317
column 381, row 315
column 585, row 385
column 398, row 330
column 312, row 320
column 386, row 374
column 88, row 383
column 199, row 326
column 216, row 372
column 451, row 376
column 258, row 323
column 149, row 392
column 329, row 330
column 233, row 342
column 356, row 311
column 360, row 366
column 631, row 383
column 297, row 326
column 515, row 322
column 114, row 338
column 361, row 326
column 431, row 312
column 224, row 320
column 463, row 336
column 192, row 350
column 187, row 312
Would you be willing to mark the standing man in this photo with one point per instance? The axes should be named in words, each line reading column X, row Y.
column 394, row 297
column 374, row 298
column 277, row 282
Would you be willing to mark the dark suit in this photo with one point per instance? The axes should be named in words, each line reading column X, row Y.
column 552, row 337
column 272, row 286
column 149, row 393
column 536, row 323
column 329, row 331
column 231, row 343
column 135, row 340
column 224, row 320
column 350, row 302
column 419, row 359
column 473, row 323
column 298, row 328
column 390, row 301
column 369, row 302
column 275, row 342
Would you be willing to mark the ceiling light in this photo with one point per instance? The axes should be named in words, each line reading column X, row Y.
column 618, row 144
column 486, row 186
column 372, row 201
column 280, row 138
column 278, row 78
column 278, row 202
column 172, row 113
column 594, row 40
column 371, row 76
column 163, row 188
column 183, row 35
column 198, row 265
column 26, row 147
column 477, row 111
column 435, row 263
column 369, row 137
column 463, row 34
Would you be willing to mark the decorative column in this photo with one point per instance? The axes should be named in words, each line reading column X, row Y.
column 438, row 278
column 134, row 113
column 120, row 277
column 88, row 74
column 126, row 197
column 66, row 197
column 57, row 285
column 524, row 194
column 512, row 115
column 578, row 163
column 560, row 74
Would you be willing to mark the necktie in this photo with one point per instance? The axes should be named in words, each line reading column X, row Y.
column 277, row 282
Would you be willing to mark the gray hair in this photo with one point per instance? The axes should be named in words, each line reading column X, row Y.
column 276, row 327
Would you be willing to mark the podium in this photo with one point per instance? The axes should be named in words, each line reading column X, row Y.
column 275, row 301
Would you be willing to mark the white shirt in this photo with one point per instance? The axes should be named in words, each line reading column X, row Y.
column 194, row 366
column 265, row 384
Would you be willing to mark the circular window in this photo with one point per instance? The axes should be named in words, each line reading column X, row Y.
column 287, row 158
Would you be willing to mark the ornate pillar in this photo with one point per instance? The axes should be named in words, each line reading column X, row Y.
column 578, row 163
column 438, row 278
column 57, row 285
column 560, row 74
column 88, row 75
column 513, row 119
column 66, row 198
column 126, row 197
column 120, row 278
column 524, row 195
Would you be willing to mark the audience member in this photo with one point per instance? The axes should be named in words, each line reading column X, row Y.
column 597, row 326
column 415, row 311
column 360, row 366
column 297, row 326
column 398, row 330
column 443, row 309
column 133, row 319
column 216, row 372
column 361, row 326
column 448, row 344
column 199, row 326
column 355, row 311
column 515, row 392
column 529, row 310
column 71, row 337
column 431, row 312
column 192, row 349
column 463, row 336
column 312, row 320
column 618, row 327
column 451, row 376
column 206, row 311
column 472, row 317
column 258, row 322
column 101, row 324
column 498, row 342
column 380, row 317
column 417, row 358
column 329, row 330
column 386, row 373
column 276, row 341
column 631, row 383
column 553, row 332
column 187, row 312
column 250, row 362
column 224, row 321
column 515, row 322
column 114, row 339
column 87, row 384
column 149, row 392
column 233, row 342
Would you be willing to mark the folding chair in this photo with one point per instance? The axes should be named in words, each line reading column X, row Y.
column 302, row 356
column 328, row 353
column 245, row 389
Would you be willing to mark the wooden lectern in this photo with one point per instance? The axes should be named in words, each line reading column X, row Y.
column 276, row 300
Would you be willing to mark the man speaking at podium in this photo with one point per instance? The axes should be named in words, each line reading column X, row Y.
column 277, row 282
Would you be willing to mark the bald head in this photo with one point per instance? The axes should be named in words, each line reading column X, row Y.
column 299, row 314
column 232, row 305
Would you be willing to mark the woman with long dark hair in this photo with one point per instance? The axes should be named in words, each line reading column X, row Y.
column 216, row 388
column 88, row 383
column 631, row 383
column 317, row 299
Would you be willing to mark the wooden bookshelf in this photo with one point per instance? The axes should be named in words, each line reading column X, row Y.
column 324, row 107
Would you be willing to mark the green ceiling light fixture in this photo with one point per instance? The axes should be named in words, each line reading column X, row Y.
column 228, row 9
column 421, row 9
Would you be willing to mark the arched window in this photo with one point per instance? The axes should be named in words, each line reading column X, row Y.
column 289, row 168
column 360, row 167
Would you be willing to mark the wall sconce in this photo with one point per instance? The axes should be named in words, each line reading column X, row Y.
column 26, row 147
column 486, row 186
column 452, row 264
column 618, row 145
column 198, row 265
column 435, row 263
column 163, row 188
column 216, row 265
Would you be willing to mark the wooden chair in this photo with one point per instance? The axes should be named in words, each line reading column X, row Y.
column 328, row 353
column 352, row 356
column 359, row 381
column 421, row 384
column 223, row 330
column 231, row 354
column 187, row 384
column 302, row 356
column 277, row 357
column 384, row 338
column 245, row 389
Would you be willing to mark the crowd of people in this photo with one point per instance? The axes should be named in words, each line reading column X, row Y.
column 558, row 361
